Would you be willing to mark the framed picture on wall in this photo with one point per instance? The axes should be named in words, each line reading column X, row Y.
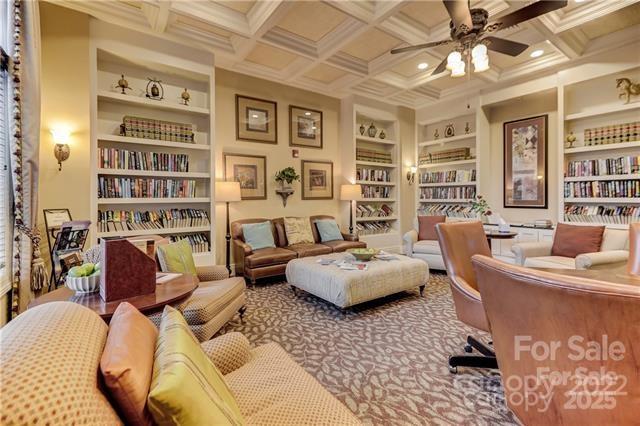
column 256, row 120
column 250, row 171
column 305, row 127
column 525, row 163
column 317, row 180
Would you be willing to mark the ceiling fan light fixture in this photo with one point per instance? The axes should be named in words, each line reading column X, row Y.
column 479, row 52
column 458, row 70
column 481, row 64
column 454, row 60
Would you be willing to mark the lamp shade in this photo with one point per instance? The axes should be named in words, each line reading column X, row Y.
column 350, row 192
column 228, row 191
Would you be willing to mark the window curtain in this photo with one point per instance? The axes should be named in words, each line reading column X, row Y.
column 29, row 273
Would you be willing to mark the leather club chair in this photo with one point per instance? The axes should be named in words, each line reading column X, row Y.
column 458, row 242
column 532, row 311
column 633, row 263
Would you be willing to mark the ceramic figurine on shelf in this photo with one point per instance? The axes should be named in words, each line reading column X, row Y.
column 154, row 89
column 382, row 135
column 186, row 97
column 123, row 84
column 436, row 135
column 449, row 131
column 467, row 128
column 371, row 131
column 570, row 139
column 627, row 88
column 362, row 129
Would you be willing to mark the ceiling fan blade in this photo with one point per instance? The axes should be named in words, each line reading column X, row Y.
column 508, row 47
column 460, row 14
column 526, row 13
column 440, row 68
column 420, row 46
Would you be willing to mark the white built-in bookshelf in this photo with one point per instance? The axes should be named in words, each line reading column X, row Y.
column 447, row 165
column 150, row 178
column 601, row 169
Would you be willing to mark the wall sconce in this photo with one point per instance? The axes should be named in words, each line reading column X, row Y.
column 411, row 174
column 61, row 150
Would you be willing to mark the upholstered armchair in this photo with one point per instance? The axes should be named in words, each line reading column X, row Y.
column 614, row 252
column 427, row 250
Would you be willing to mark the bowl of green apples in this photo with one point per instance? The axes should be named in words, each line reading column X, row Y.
column 84, row 278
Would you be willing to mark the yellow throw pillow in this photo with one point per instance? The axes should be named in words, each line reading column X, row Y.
column 177, row 257
column 298, row 230
column 187, row 389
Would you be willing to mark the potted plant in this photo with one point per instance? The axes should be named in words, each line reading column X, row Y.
column 481, row 206
column 287, row 175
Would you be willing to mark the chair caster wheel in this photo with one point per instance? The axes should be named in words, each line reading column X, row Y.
column 468, row 348
column 453, row 370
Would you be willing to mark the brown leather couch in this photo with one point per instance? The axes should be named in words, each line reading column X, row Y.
column 269, row 262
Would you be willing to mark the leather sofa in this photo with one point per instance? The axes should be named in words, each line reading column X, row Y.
column 270, row 262
column 50, row 374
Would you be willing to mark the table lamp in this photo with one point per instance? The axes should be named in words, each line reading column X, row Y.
column 350, row 192
column 228, row 192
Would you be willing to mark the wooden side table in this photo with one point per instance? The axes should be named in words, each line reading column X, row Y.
column 499, row 236
column 170, row 292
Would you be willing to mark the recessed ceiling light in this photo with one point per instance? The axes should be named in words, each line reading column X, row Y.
column 579, row 1
column 307, row 113
column 536, row 53
column 423, row 66
column 254, row 115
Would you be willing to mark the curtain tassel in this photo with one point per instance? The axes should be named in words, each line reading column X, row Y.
column 39, row 276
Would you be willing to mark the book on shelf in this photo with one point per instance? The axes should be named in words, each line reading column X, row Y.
column 114, row 158
column 130, row 220
column 450, row 210
column 626, row 165
column 369, row 228
column 373, row 175
column 448, row 192
column 620, row 215
column 602, row 189
column 454, row 154
column 123, row 187
column 371, row 191
column 371, row 210
column 449, row 176
column 372, row 155
column 149, row 128
column 199, row 242
column 607, row 135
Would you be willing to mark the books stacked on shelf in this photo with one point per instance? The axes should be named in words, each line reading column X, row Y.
column 113, row 158
column 447, row 155
column 121, row 187
column 372, row 191
column 148, row 128
column 370, row 228
column 373, row 210
column 199, row 242
column 604, row 166
column 374, row 156
column 448, row 193
column 622, row 215
column 129, row 220
column 450, row 210
column 449, row 176
column 603, row 189
column 374, row 175
column 618, row 133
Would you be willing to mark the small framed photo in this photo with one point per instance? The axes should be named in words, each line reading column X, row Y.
column 256, row 120
column 317, row 180
column 305, row 127
column 250, row 171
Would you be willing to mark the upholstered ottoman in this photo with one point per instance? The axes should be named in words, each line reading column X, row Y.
column 346, row 288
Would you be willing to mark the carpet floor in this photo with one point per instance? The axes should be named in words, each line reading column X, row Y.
column 386, row 360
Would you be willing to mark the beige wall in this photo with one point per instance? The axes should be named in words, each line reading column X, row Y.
column 65, row 102
column 228, row 84
column 493, row 159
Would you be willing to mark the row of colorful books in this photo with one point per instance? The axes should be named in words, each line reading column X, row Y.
column 604, row 189
column 450, row 210
column 130, row 220
column 448, row 193
column 369, row 228
column 149, row 128
column 621, row 215
column 199, row 242
column 604, row 166
column 377, row 175
column 448, row 176
column 364, row 154
column 618, row 133
column 113, row 158
column 372, row 191
column 447, row 155
column 373, row 210
column 122, row 187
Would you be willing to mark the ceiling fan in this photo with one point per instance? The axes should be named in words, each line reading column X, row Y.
column 470, row 29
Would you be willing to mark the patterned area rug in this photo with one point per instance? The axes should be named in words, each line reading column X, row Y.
column 385, row 360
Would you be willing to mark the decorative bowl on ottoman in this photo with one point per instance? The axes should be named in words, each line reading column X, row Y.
column 84, row 278
column 363, row 254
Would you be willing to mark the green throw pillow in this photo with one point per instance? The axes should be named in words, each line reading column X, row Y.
column 177, row 257
column 187, row 389
column 258, row 235
column 328, row 230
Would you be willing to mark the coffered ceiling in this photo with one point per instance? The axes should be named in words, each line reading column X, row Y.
column 340, row 47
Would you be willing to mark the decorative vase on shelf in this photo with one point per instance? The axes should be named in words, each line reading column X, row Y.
column 569, row 140
column 467, row 128
column 371, row 131
column 382, row 135
column 436, row 135
column 362, row 129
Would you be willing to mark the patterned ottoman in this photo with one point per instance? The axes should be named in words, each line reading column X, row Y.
column 346, row 288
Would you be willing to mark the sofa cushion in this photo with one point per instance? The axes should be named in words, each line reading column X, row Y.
column 340, row 246
column 210, row 298
column 258, row 235
column 305, row 250
column 427, row 227
column 187, row 389
column 269, row 256
column 615, row 239
column 328, row 230
column 572, row 240
column 557, row 262
column 49, row 361
column 127, row 372
column 271, row 389
column 427, row 247
column 176, row 257
column 298, row 230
